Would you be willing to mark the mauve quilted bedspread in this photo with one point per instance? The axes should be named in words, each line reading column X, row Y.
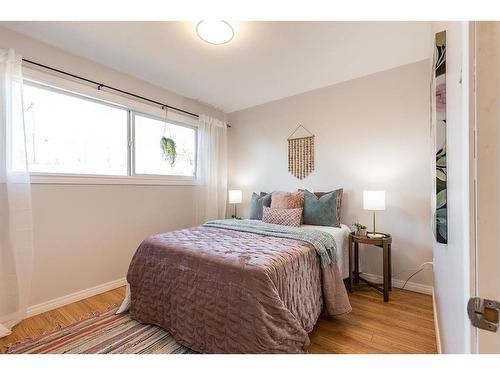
column 225, row 291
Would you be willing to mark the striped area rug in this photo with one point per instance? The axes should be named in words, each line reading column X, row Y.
column 104, row 333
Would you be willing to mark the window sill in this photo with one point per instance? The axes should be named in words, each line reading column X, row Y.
column 111, row 180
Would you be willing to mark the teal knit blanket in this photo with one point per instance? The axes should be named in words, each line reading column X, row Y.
column 323, row 242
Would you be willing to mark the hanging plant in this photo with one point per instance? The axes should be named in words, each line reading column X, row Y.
column 167, row 146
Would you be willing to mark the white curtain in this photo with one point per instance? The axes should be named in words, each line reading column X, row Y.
column 16, row 233
column 211, row 171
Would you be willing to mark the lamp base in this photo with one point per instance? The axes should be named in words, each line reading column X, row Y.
column 375, row 235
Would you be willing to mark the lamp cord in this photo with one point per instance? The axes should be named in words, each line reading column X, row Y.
column 420, row 269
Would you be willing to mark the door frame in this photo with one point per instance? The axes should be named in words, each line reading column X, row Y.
column 472, row 78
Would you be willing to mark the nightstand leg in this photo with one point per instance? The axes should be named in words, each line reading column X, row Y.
column 350, row 264
column 389, row 256
column 356, row 263
column 386, row 273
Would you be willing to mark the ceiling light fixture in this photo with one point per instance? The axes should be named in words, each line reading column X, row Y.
column 215, row 32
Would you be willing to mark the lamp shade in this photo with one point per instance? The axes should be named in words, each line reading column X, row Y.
column 374, row 200
column 235, row 196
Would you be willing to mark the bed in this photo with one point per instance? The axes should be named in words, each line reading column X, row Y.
column 239, row 286
column 341, row 235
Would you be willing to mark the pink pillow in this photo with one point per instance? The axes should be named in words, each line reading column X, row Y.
column 291, row 217
column 283, row 199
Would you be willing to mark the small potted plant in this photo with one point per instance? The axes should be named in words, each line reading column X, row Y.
column 360, row 229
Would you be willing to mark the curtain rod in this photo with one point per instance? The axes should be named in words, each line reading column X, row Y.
column 102, row 85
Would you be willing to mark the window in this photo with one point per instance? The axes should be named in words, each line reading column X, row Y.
column 73, row 134
column 149, row 155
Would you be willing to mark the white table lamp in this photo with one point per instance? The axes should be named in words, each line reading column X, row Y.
column 235, row 197
column 374, row 200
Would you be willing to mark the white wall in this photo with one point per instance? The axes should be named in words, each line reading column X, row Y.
column 451, row 261
column 85, row 235
column 371, row 133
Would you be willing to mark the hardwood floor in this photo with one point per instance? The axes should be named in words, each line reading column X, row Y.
column 403, row 325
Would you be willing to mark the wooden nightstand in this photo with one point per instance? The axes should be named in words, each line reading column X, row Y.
column 384, row 243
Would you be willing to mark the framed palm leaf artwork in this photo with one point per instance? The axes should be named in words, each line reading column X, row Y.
column 439, row 126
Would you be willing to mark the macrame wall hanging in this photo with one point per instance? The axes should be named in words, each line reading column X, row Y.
column 300, row 154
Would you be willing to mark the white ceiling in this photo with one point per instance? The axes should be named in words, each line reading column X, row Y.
column 265, row 61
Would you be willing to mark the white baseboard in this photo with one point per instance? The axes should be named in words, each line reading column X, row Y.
column 73, row 297
column 436, row 324
column 414, row 287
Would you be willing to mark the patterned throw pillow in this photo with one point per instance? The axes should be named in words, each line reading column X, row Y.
column 283, row 199
column 257, row 203
column 291, row 217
